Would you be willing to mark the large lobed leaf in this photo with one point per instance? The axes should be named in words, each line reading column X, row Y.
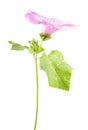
column 57, row 70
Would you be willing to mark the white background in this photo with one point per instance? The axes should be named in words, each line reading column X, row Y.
column 58, row 110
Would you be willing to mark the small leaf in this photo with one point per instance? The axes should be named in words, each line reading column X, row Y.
column 16, row 46
column 35, row 48
column 57, row 70
column 40, row 49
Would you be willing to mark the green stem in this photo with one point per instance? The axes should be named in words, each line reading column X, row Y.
column 37, row 90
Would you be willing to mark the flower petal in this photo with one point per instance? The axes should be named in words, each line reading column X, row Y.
column 49, row 28
column 50, row 25
column 34, row 17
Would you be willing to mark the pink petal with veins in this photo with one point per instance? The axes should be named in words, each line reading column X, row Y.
column 33, row 17
column 50, row 25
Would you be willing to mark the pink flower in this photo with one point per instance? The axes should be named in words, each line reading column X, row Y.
column 50, row 25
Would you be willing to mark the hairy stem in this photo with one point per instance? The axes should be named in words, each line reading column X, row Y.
column 37, row 90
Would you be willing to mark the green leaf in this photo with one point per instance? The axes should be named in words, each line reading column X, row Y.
column 35, row 48
column 57, row 70
column 16, row 46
